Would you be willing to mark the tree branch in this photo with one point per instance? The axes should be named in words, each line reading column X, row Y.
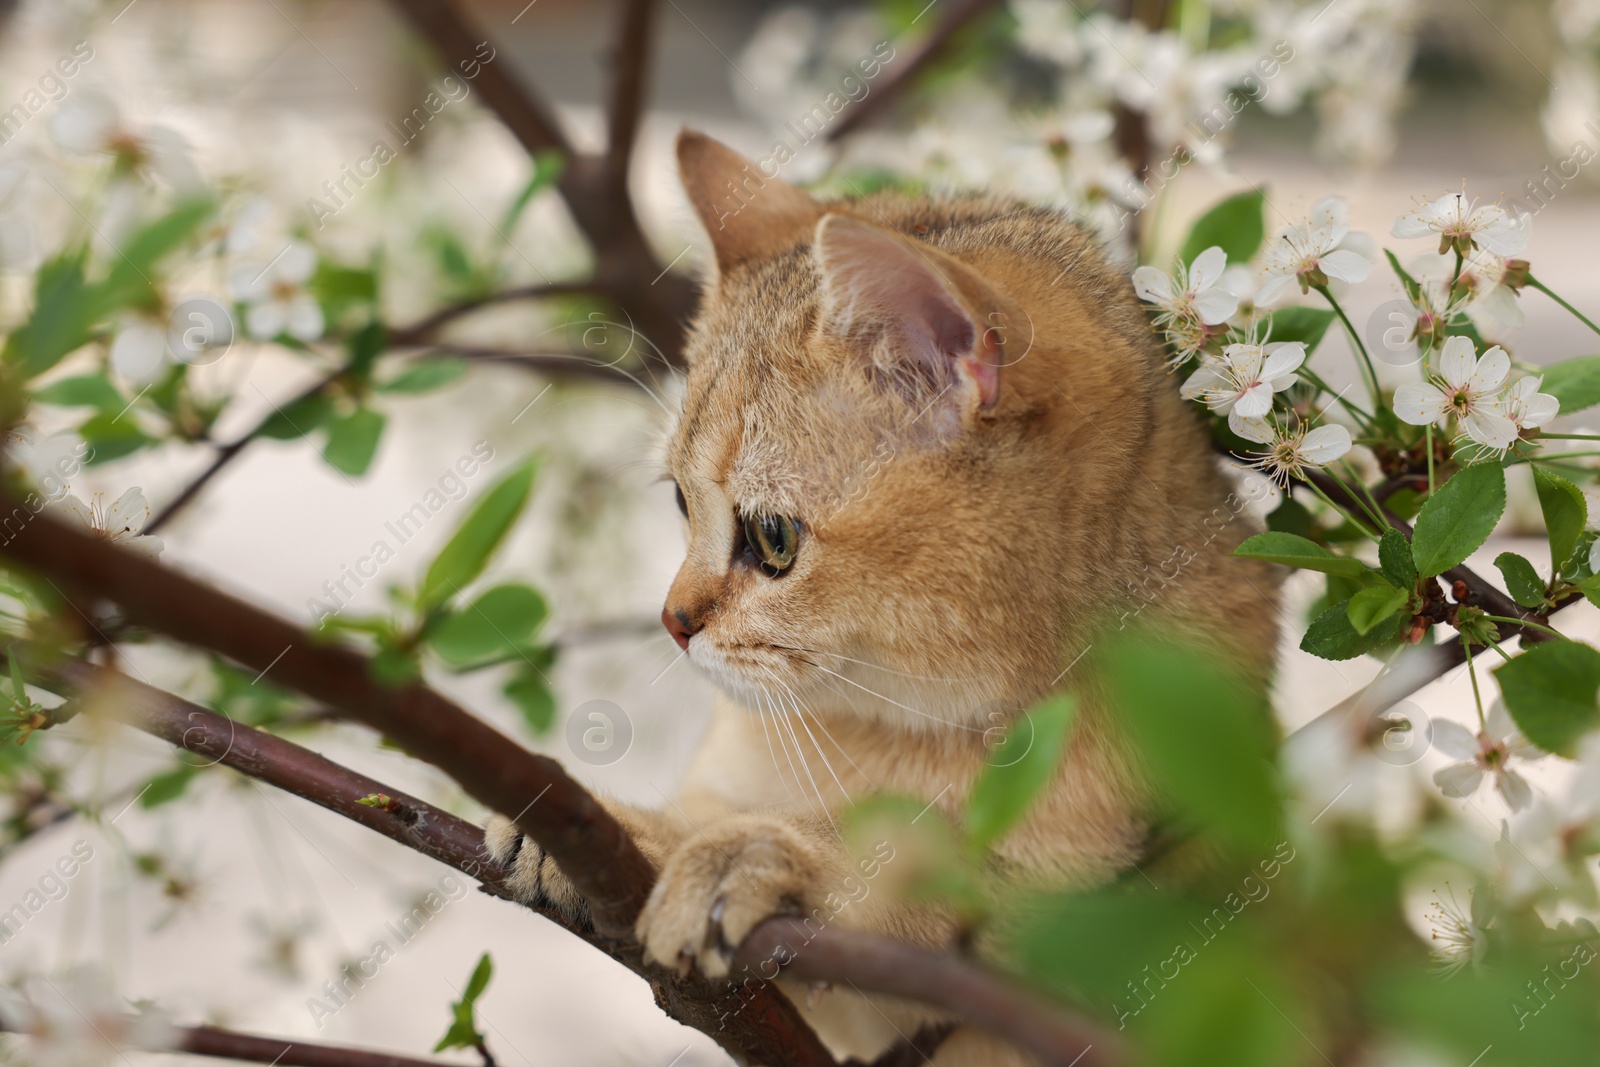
column 630, row 63
column 562, row 364
column 657, row 301
column 231, row 1045
column 423, row 330
column 957, row 17
column 591, row 847
column 229, row 452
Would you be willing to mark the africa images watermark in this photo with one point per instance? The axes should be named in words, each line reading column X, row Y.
column 1253, row 88
column 1254, row 889
column 54, row 482
column 354, row 976
column 52, row 88
column 451, row 486
column 805, row 129
column 342, row 189
column 833, row 905
column 51, row 887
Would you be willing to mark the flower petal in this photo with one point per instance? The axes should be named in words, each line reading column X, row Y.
column 128, row 514
column 1490, row 428
column 1492, row 368
column 1514, row 788
column 1283, row 359
column 1254, row 401
column 1325, row 444
column 1345, row 266
column 1458, row 361
column 1419, row 404
column 1153, row 286
column 1207, row 268
column 1215, row 305
column 1257, row 430
column 1204, row 379
column 1453, row 739
column 1459, row 780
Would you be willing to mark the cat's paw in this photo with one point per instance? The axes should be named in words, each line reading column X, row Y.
column 718, row 885
column 531, row 874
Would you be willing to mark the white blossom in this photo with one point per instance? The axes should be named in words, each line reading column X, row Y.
column 277, row 297
column 1242, row 383
column 1313, row 253
column 1490, row 753
column 139, row 351
column 1462, row 225
column 1190, row 300
column 1468, row 388
column 76, row 1021
column 1291, row 454
column 91, row 124
column 1527, row 407
column 119, row 524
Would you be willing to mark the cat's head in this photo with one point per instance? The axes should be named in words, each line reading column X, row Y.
column 865, row 457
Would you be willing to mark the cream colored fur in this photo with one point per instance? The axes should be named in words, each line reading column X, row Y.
column 969, row 526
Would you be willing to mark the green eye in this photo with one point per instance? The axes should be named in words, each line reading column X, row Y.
column 774, row 540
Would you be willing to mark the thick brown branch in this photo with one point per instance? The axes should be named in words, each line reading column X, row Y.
column 939, row 979
column 829, row 954
column 957, row 17
column 656, row 300
column 630, row 74
column 766, row 1030
column 593, row 849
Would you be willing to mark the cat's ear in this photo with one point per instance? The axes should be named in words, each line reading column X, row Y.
column 747, row 214
column 923, row 320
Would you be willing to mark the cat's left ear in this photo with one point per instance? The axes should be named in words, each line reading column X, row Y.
column 925, row 322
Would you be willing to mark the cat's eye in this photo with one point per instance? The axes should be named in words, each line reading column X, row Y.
column 683, row 505
column 774, row 540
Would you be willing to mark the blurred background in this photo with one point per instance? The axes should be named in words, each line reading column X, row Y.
column 239, row 911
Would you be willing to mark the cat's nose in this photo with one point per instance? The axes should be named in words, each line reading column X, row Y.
column 679, row 626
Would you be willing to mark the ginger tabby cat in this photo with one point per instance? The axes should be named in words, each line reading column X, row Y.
column 927, row 447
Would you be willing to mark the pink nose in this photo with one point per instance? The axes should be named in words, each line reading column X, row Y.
column 679, row 627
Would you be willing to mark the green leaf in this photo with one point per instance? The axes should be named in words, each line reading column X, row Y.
column 1458, row 518
column 1205, row 735
column 1394, row 556
column 338, row 288
column 528, row 691
column 1413, row 290
column 83, row 391
column 353, row 441
column 1004, row 790
column 426, row 376
column 1237, row 225
column 1373, row 604
column 365, row 348
column 129, row 282
column 1566, row 513
column 298, row 419
column 392, row 666
column 1306, row 325
column 548, row 165
column 463, row 1031
column 1574, row 382
column 64, row 313
column 1591, row 589
column 1294, row 551
column 1550, row 691
column 493, row 628
column 1332, row 635
column 1522, row 579
column 110, row 437
column 466, row 554
column 167, row 787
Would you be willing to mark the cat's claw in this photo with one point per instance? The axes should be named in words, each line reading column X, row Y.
column 718, row 885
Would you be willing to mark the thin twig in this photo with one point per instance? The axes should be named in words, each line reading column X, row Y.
column 424, row 329
column 957, row 17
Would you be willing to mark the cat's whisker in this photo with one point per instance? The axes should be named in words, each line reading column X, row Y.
column 874, row 666
column 762, row 714
column 777, row 725
column 896, row 703
column 805, row 764
column 794, row 702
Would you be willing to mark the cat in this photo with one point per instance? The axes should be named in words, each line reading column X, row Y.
column 927, row 449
